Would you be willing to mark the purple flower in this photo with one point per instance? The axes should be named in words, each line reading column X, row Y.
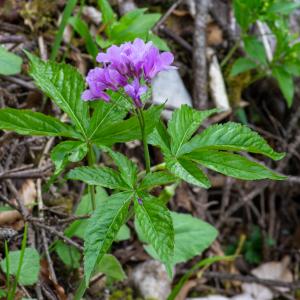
column 134, row 91
column 140, row 201
column 126, row 66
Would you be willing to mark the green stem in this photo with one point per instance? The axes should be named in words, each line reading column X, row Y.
column 80, row 290
column 144, row 138
column 23, row 247
column 230, row 53
column 91, row 162
column 7, row 267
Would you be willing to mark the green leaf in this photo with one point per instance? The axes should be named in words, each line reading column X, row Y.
column 27, row 122
column 233, row 165
column 132, row 25
column 160, row 138
column 111, row 267
column 187, row 171
column 155, row 179
column 195, row 233
column 128, row 170
column 183, row 124
column 107, row 12
column 105, row 114
column 286, row 84
column 70, row 5
column 81, row 27
column 68, row 151
column 102, row 176
column 255, row 49
column 69, row 255
column 242, row 65
column 78, row 227
column 64, row 85
column 283, row 7
column 102, row 229
column 233, row 137
column 128, row 130
column 158, row 42
column 30, row 268
column 156, row 225
column 10, row 63
column 123, row 234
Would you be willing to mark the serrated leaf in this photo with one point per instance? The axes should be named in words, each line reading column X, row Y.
column 128, row 170
column 10, row 63
column 111, row 267
column 155, row 179
column 187, row 171
column 64, row 85
column 27, row 122
column 123, row 234
column 30, row 268
column 68, row 151
column 242, row 65
column 188, row 230
column 286, row 84
column 102, row 229
column 233, row 137
column 160, row 138
column 233, row 165
column 183, row 124
column 156, row 224
column 128, row 130
column 104, row 114
column 102, row 176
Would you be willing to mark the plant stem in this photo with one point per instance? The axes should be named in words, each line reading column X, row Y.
column 144, row 138
column 230, row 54
column 80, row 290
column 7, row 267
column 23, row 247
column 91, row 162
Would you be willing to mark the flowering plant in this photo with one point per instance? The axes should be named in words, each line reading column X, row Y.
column 120, row 84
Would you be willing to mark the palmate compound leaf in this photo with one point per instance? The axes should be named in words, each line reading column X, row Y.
column 67, row 151
column 128, row 130
column 183, row 124
column 102, row 229
column 64, row 85
column 232, row 165
column 156, row 225
column 102, row 176
column 27, row 122
column 107, row 113
column 231, row 137
column 188, row 171
column 192, row 236
column 128, row 170
column 155, row 179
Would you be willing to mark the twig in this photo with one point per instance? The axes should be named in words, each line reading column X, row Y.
column 176, row 38
column 199, row 55
column 251, row 279
column 166, row 15
column 26, row 84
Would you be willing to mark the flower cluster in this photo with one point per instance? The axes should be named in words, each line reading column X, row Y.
column 130, row 66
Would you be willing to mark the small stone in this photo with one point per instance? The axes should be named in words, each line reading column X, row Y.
column 168, row 86
column 152, row 281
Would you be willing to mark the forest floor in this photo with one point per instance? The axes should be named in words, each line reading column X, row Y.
column 258, row 221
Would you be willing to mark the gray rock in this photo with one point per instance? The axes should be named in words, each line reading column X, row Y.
column 151, row 279
column 168, row 86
